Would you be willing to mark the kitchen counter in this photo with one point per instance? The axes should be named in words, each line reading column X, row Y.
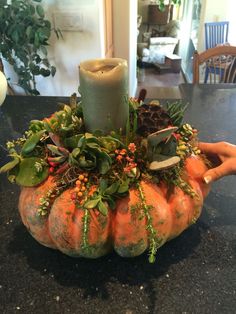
column 194, row 273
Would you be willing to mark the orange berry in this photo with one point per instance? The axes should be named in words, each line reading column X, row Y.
column 77, row 189
column 80, row 194
column 81, row 177
column 83, row 188
column 123, row 151
column 85, row 179
column 78, row 182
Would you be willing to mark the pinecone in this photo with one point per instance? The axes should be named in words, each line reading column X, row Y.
column 152, row 118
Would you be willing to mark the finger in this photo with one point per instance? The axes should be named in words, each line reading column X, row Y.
column 220, row 148
column 227, row 168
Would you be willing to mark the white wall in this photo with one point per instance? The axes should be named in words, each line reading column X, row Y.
column 67, row 53
column 230, row 16
column 125, row 37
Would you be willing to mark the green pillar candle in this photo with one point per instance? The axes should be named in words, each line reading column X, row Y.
column 104, row 94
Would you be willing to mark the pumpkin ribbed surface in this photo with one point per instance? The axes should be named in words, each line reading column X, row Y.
column 123, row 228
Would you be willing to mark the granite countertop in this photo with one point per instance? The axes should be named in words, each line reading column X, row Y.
column 194, row 273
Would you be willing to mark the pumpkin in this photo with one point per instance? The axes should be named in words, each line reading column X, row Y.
column 86, row 194
column 146, row 218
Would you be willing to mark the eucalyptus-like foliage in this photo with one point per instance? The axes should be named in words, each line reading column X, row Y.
column 24, row 36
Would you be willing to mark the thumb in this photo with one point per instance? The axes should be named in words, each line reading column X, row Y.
column 214, row 174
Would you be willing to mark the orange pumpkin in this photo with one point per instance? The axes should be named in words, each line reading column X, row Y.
column 123, row 228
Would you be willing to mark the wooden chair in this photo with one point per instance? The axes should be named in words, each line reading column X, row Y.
column 221, row 61
column 216, row 33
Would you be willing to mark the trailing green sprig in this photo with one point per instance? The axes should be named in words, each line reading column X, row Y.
column 173, row 177
column 154, row 241
column 47, row 200
column 86, row 221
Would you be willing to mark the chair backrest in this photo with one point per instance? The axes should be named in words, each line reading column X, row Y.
column 216, row 33
column 219, row 62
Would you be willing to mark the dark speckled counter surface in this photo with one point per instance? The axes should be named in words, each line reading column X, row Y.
column 194, row 273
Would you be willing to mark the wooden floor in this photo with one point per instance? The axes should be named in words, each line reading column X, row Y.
column 150, row 79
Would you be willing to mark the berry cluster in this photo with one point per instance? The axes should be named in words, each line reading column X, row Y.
column 127, row 158
column 186, row 142
column 81, row 188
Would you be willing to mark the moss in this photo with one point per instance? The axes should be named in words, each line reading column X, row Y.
column 132, row 249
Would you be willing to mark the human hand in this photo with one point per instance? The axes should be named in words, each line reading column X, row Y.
column 223, row 157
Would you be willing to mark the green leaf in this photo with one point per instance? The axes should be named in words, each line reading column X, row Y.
column 40, row 11
column 72, row 142
column 123, row 188
column 35, row 70
column 44, row 34
column 34, row 92
column 54, row 149
column 104, row 160
column 162, row 6
column 26, row 173
column 86, row 164
column 29, row 31
column 92, row 203
column 31, row 142
column 36, row 40
column 82, row 141
column 102, row 185
column 10, row 165
column 44, row 50
column 58, row 159
column 93, row 145
column 76, row 152
column 15, row 36
column 169, row 148
column 32, row 9
column 45, row 72
column 111, row 202
column 53, row 71
column 112, row 188
column 102, row 208
column 103, row 166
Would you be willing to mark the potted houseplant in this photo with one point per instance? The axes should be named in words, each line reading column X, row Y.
column 24, row 36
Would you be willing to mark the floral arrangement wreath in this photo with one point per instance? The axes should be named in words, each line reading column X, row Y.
column 86, row 193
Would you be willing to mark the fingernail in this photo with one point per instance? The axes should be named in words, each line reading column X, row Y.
column 207, row 179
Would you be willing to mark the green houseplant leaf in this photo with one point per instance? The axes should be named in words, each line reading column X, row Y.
column 24, row 33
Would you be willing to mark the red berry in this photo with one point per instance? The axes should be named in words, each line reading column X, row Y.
column 73, row 196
